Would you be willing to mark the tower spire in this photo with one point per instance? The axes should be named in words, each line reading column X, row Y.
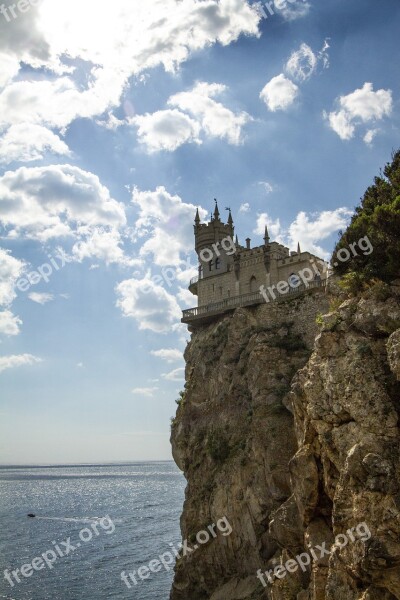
column 197, row 217
column 298, row 248
column 266, row 235
column 230, row 220
column 216, row 211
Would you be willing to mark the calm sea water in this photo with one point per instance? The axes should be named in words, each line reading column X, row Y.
column 143, row 500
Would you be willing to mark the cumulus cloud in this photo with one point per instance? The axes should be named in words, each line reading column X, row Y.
column 9, row 323
column 47, row 202
column 119, row 44
column 40, row 298
column 166, row 130
column 363, row 106
column 308, row 229
column 170, row 355
column 279, row 93
column 20, row 360
column 216, row 119
column 102, row 244
column 244, row 208
column 11, row 269
column 166, row 223
column 149, row 304
column 26, row 142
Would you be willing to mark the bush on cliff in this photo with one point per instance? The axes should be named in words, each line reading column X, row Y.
column 377, row 217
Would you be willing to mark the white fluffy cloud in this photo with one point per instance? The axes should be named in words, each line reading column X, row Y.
column 295, row 9
column 245, row 207
column 20, row 360
column 166, row 221
column 10, row 270
column 40, row 297
column 303, row 62
column 308, row 229
column 9, row 323
column 48, row 202
column 216, row 120
column 363, row 106
column 166, row 130
column 149, row 304
column 120, row 43
column 193, row 115
column 26, row 142
column 170, row 355
column 279, row 93
column 102, row 244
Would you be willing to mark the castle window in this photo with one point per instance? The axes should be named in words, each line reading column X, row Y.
column 217, row 263
column 220, row 291
column 253, row 284
column 210, row 265
column 201, row 272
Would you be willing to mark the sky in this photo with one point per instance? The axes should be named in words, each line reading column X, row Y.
column 116, row 122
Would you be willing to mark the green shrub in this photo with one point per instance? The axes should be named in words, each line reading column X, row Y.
column 217, row 445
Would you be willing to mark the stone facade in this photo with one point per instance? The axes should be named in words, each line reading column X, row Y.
column 228, row 269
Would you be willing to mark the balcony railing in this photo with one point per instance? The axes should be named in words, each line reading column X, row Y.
column 227, row 304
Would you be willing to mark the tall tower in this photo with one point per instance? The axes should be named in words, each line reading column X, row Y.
column 214, row 244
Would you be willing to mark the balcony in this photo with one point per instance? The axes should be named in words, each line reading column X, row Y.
column 193, row 285
column 202, row 315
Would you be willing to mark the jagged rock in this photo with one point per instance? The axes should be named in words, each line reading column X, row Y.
column 296, row 450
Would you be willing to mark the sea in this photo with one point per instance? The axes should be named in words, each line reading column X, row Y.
column 97, row 521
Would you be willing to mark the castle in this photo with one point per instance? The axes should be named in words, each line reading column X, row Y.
column 232, row 275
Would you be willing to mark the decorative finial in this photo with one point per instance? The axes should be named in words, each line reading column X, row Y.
column 298, row 248
column 197, row 217
column 266, row 235
column 230, row 220
column 216, row 211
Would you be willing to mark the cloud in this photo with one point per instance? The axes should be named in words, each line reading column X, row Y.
column 308, row 229
column 363, row 106
column 118, row 45
column 104, row 245
column 370, row 136
column 9, row 323
column 302, row 63
column 166, row 223
column 26, row 143
column 166, row 130
column 245, row 207
column 175, row 375
column 11, row 362
column 47, row 202
column 149, row 304
column 274, row 227
column 40, row 298
column 279, row 93
column 185, row 296
column 170, row 355
column 216, row 120
column 145, row 391
column 10, row 270
column 268, row 188
column 295, row 9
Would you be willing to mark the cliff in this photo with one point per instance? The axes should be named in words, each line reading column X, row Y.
column 290, row 430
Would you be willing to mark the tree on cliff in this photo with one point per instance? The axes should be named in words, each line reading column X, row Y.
column 377, row 217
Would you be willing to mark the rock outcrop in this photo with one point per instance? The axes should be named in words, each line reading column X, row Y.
column 290, row 430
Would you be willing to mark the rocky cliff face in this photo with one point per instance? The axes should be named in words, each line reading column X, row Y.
column 290, row 430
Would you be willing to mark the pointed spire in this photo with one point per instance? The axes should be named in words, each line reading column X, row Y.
column 298, row 248
column 230, row 220
column 266, row 235
column 216, row 211
column 237, row 241
column 197, row 217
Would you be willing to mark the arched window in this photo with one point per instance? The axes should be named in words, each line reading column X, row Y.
column 253, row 284
column 201, row 272
column 217, row 263
column 210, row 265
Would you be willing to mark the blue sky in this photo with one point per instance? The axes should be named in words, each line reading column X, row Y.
column 115, row 124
